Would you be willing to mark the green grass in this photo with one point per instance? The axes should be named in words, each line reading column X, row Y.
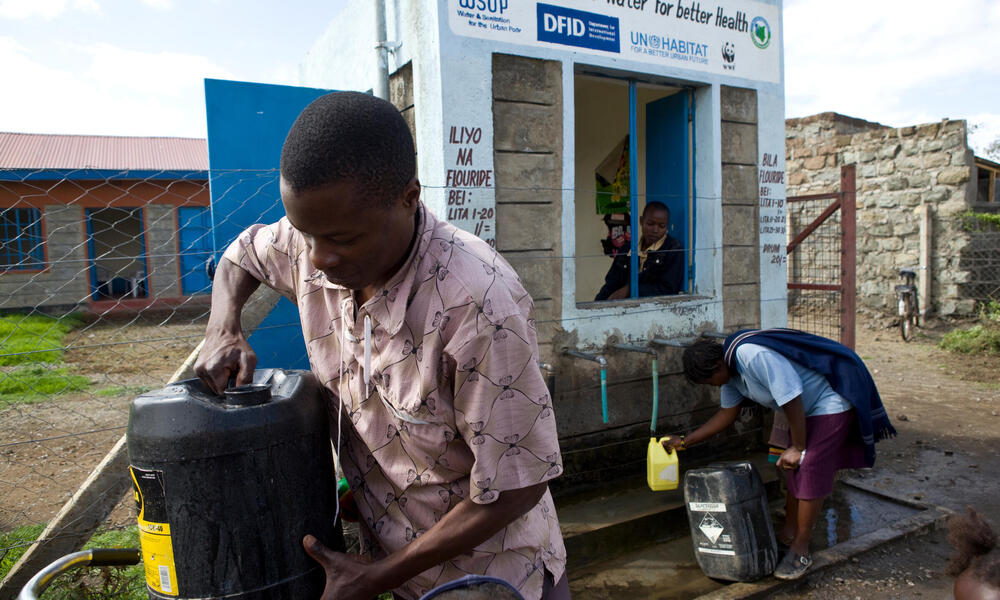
column 14, row 543
column 978, row 339
column 37, row 383
column 33, row 338
column 124, row 390
column 119, row 583
column 126, row 583
column 982, row 338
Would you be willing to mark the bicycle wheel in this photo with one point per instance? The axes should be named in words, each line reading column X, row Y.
column 906, row 317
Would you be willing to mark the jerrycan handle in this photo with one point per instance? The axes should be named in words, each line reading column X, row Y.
column 656, row 447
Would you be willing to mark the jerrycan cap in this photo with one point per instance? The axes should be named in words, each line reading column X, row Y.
column 252, row 394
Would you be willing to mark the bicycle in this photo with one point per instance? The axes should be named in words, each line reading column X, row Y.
column 909, row 305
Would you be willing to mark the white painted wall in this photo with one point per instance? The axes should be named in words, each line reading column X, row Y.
column 452, row 84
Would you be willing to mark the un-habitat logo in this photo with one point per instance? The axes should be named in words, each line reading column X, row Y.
column 760, row 32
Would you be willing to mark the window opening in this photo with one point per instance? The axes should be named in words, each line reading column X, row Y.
column 117, row 252
column 21, row 244
column 987, row 189
column 633, row 148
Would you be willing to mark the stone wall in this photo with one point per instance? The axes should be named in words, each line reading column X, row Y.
column 899, row 171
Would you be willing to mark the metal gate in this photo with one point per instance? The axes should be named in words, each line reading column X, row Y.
column 821, row 261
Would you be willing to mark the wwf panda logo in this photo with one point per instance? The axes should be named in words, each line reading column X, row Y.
column 729, row 52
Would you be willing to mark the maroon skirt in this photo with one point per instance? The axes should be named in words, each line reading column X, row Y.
column 832, row 443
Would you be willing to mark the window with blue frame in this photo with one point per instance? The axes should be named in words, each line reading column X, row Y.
column 635, row 199
column 21, row 243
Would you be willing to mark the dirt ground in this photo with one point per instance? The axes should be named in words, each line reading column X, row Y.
column 47, row 449
column 946, row 408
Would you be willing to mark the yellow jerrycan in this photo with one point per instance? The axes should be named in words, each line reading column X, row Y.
column 661, row 467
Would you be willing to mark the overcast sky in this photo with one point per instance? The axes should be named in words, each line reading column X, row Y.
column 131, row 67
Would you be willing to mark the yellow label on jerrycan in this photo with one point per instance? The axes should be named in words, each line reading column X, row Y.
column 661, row 467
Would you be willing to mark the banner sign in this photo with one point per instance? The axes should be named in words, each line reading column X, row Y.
column 726, row 37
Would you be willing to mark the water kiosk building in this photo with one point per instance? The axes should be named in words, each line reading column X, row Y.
column 546, row 126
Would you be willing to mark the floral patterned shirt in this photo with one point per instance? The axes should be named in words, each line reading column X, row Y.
column 455, row 407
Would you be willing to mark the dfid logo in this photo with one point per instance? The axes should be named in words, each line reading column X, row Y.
column 571, row 27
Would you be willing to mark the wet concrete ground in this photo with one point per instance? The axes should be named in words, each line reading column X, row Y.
column 668, row 570
column 947, row 410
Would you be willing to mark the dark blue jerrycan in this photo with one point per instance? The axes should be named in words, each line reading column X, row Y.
column 730, row 523
column 228, row 486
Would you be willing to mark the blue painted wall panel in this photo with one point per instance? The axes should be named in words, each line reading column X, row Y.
column 667, row 160
column 194, row 233
column 247, row 125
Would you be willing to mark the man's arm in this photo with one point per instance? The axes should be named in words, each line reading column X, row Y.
column 226, row 352
column 459, row 531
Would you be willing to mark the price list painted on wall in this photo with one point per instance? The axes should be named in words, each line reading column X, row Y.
column 773, row 225
column 469, row 186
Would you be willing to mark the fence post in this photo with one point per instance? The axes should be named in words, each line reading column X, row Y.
column 80, row 517
column 848, row 256
column 926, row 233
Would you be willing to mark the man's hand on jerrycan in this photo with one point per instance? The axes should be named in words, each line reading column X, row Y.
column 225, row 356
column 673, row 442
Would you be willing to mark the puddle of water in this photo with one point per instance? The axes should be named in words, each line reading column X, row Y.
column 849, row 512
column 665, row 571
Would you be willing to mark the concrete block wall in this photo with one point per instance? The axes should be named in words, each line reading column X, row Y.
column 162, row 265
column 401, row 95
column 740, row 236
column 64, row 282
column 899, row 171
column 528, row 162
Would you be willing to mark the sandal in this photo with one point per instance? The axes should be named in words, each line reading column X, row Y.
column 792, row 566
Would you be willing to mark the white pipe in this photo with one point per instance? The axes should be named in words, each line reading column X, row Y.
column 381, row 52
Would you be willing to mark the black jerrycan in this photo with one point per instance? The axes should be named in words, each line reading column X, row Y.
column 730, row 523
column 228, row 486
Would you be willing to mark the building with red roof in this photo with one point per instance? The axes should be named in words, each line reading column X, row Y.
column 102, row 220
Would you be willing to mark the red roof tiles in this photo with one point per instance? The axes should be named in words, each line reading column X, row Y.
column 43, row 151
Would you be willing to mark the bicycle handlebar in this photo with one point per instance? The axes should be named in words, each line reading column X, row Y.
column 98, row 557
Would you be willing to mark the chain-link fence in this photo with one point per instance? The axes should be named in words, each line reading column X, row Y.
column 103, row 294
column 814, row 263
column 104, row 290
column 980, row 258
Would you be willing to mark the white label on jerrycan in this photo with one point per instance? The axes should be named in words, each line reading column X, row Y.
column 669, row 473
column 707, row 506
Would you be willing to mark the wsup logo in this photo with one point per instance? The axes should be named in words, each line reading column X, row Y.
column 760, row 32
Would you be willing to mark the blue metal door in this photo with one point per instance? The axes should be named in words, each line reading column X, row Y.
column 668, row 152
column 194, row 234
column 247, row 125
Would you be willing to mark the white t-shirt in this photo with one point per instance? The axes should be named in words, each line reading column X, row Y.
column 770, row 379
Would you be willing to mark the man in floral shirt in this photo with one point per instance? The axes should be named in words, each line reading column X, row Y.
column 425, row 339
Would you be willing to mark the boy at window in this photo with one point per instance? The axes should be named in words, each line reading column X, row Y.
column 661, row 260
